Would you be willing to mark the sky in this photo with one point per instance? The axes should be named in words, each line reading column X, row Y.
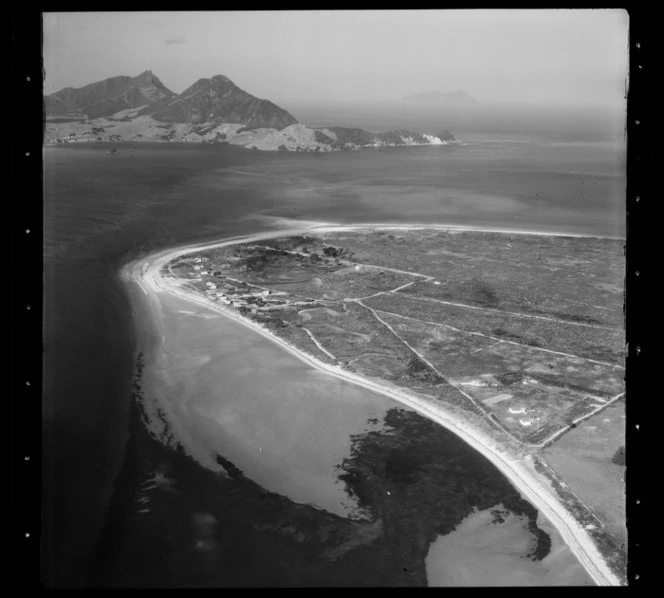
column 535, row 56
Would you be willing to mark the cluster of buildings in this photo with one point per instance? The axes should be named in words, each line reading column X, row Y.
column 239, row 294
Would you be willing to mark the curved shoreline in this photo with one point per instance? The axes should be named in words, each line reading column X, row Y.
column 145, row 273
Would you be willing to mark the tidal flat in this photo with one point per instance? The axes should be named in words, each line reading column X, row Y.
column 349, row 488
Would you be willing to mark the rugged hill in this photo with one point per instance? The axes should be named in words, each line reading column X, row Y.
column 219, row 100
column 210, row 111
column 214, row 100
column 108, row 96
column 434, row 98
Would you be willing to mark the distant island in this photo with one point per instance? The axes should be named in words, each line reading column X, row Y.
column 439, row 98
column 211, row 110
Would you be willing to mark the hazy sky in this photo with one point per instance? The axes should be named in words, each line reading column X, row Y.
column 552, row 56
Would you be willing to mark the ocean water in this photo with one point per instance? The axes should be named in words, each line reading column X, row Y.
column 103, row 210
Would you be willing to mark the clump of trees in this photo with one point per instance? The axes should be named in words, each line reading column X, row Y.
column 257, row 262
column 619, row 456
column 445, row 135
column 509, row 378
column 352, row 135
column 420, row 370
column 320, row 137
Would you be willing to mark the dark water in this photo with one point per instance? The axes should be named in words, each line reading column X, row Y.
column 102, row 210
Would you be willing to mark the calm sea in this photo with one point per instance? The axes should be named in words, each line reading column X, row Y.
column 103, row 210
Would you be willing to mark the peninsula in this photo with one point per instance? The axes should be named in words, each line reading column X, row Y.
column 512, row 341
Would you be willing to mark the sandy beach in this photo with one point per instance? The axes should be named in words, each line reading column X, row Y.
column 519, row 469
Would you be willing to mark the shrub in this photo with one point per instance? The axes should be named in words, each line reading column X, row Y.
column 320, row 137
column 619, row 456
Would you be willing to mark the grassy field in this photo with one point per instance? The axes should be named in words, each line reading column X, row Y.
column 525, row 329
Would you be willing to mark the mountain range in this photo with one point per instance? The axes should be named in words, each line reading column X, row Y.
column 211, row 110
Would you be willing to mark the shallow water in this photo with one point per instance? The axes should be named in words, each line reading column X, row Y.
column 229, row 391
column 491, row 548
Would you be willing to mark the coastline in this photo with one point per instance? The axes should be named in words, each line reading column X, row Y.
column 519, row 470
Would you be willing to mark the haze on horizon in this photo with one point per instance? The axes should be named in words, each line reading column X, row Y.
column 553, row 57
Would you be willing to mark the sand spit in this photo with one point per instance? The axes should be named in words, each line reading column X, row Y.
column 520, row 470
